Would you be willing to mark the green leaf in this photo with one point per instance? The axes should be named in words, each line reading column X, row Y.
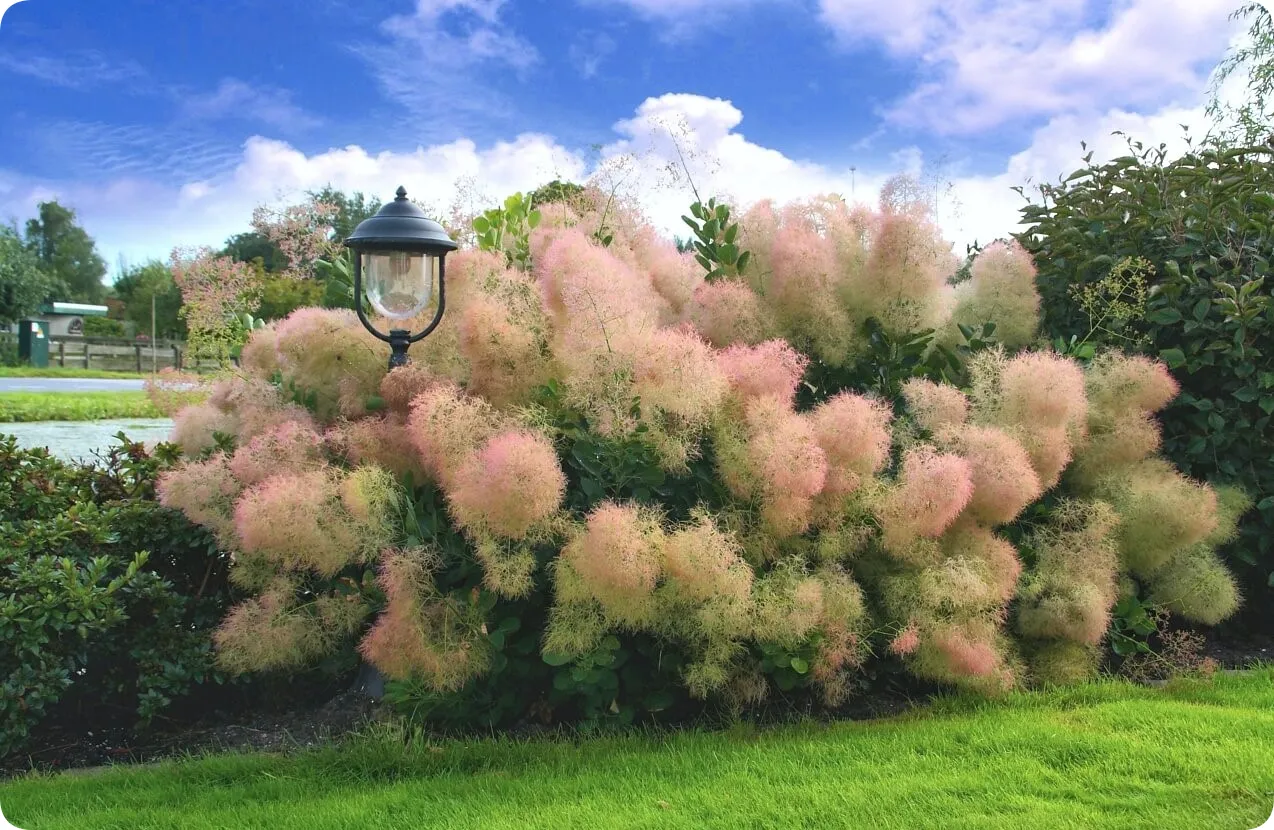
column 1267, row 405
column 1164, row 316
column 743, row 261
column 533, row 219
column 1175, row 358
column 481, row 225
column 800, row 665
column 731, row 232
column 556, row 658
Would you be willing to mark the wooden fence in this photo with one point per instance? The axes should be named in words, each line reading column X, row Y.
column 111, row 354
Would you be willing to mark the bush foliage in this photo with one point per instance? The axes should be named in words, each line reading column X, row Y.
column 107, row 598
column 1171, row 258
column 622, row 477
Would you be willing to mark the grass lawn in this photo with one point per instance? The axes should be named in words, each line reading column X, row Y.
column 1195, row 755
column 65, row 372
column 75, row 406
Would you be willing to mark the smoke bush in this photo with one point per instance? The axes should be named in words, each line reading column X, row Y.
column 622, row 454
column 291, row 447
column 269, row 632
column 1196, row 585
column 205, row 491
column 422, row 634
column 1161, row 512
column 447, row 426
column 330, row 354
column 617, row 559
column 853, row 433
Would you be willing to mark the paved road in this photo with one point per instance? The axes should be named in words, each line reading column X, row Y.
column 69, row 385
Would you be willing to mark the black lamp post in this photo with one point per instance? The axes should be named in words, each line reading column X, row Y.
column 403, row 251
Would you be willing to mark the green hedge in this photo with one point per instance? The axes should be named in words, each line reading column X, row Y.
column 107, row 598
column 1171, row 258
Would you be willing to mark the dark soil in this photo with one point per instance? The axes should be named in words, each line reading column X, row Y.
column 1240, row 652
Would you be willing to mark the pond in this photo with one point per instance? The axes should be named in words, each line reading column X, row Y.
column 72, row 440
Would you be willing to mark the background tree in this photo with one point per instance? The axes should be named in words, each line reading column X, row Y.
column 138, row 285
column 1250, row 121
column 23, row 285
column 350, row 209
column 253, row 246
column 556, row 191
column 67, row 252
column 281, row 296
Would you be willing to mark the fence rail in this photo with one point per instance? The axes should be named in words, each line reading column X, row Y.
column 113, row 354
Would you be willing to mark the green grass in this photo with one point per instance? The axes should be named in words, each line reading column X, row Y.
column 75, row 406
column 65, row 372
column 1195, row 755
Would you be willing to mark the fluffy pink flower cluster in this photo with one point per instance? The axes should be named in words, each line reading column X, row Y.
column 771, row 369
column 422, row 634
column 512, row 483
column 932, row 490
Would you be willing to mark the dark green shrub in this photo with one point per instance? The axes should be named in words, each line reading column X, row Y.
column 103, row 327
column 1171, row 258
column 107, row 598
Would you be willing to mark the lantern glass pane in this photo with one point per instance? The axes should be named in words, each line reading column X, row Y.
column 399, row 284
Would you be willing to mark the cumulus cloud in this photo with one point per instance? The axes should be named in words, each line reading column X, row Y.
column 666, row 137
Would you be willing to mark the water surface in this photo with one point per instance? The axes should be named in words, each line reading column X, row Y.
column 79, row 440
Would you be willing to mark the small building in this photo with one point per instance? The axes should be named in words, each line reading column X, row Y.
column 67, row 319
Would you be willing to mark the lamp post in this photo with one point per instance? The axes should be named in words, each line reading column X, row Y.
column 402, row 251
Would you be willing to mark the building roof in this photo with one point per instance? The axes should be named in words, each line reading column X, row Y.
column 74, row 309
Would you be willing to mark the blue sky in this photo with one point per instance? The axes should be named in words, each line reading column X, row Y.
column 164, row 123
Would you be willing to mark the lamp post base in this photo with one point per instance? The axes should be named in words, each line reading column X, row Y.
column 399, row 340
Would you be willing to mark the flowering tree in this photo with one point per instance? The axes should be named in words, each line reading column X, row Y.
column 302, row 232
column 216, row 292
column 606, row 450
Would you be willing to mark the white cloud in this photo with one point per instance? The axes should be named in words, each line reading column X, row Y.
column 234, row 98
column 81, row 70
column 435, row 60
column 984, row 63
column 139, row 218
